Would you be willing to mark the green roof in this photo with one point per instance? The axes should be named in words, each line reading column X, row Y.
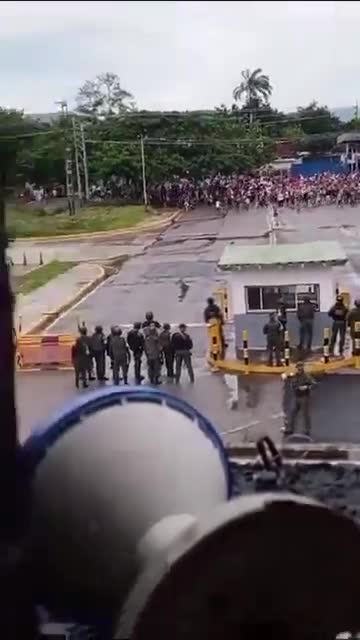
column 265, row 255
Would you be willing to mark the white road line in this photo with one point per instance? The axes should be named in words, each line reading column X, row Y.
column 244, row 427
column 63, row 315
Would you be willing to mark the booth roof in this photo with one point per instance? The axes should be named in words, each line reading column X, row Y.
column 263, row 255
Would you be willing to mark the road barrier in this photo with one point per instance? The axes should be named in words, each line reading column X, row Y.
column 216, row 347
column 244, row 365
column 44, row 352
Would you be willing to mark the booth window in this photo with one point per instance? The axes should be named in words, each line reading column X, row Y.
column 267, row 298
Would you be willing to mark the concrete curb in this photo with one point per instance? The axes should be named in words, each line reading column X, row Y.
column 156, row 225
column 42, row 324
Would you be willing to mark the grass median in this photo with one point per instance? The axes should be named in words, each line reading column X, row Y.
column 26, row 221
column 42, row 275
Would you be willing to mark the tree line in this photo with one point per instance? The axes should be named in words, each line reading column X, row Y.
column 238, row 138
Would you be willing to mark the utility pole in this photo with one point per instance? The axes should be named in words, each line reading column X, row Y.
column 143, row 172
column 85, row 164
column 67, row 159
column 77, row 164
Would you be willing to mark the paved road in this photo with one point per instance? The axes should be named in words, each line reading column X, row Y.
column 190, row 250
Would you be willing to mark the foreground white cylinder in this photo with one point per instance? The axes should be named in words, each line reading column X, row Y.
column 104, row 473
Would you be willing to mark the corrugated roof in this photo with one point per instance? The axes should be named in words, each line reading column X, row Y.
column 237, row 256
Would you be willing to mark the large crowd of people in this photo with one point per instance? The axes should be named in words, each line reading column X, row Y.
column 239, row 191
column 242, row 191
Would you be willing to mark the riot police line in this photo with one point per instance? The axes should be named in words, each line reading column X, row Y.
column 147, row 342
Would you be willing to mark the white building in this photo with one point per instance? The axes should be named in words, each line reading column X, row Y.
column 261, row 274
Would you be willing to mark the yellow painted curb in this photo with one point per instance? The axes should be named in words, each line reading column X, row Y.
column 238, row 367
column 156, row 225
column 53, row 315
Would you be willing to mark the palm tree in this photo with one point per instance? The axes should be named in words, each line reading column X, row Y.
column 256, row 88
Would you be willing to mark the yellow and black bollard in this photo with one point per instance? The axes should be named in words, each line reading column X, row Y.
column 326, row 344
column 215, row 346
column 286, row 349
column 245, row 337
column 356, row 345
column 226, row 305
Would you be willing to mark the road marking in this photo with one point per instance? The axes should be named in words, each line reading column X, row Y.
column 254, row 423
column 63, row 315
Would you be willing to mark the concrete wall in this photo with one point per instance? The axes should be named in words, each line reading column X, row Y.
column 254, row 321
column 335, row 484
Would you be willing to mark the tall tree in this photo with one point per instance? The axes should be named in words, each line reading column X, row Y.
column 254, row 88
column 104, row 96
column 315, row 118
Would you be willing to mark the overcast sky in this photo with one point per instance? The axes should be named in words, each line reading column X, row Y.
column 179, row 55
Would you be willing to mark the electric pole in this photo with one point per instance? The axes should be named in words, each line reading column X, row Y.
column 77, row 164
column 143, row 172
column 69, row 188
column 85, row 164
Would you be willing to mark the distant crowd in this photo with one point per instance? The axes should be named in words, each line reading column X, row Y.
column 239, row 191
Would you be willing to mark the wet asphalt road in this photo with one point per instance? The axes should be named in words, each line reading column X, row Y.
column 190, row 250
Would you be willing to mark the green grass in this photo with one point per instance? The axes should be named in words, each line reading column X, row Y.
column 38, row 277
column 24, row 222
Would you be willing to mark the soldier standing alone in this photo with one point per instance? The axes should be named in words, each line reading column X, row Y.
column 301, row 385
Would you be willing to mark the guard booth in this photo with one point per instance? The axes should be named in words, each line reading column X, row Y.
column 262, row 274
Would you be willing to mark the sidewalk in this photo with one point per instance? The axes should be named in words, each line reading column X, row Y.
column 54, row 295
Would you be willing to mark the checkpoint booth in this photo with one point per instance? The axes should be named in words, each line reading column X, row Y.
column 259, row 275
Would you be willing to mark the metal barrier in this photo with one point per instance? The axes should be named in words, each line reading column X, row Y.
column 44, row 352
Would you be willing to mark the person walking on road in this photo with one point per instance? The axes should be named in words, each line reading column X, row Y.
column 301, row 384
column 135, row 340
column 182, row 346
column 338, row 313
column 306, row 315
column 353, row 320
column 98, row 349
column 80, row 358
column 273, row 332
column 120, row 355
column 153, row 352
column 167, row 349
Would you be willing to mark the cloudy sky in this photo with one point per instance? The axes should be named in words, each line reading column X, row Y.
column 179, row 55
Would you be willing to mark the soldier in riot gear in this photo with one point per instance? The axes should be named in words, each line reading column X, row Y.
column 82, row 328
column 98, row 349
column 273, row 332
column 80, row 357
column 149, row 319
column 353, row 320
column 108, row 340
column 182, row 345
column 153, row 352
column 135, row 340
column 119, row 354
column 301, row 385
column 338, row 313
column 167, row 349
